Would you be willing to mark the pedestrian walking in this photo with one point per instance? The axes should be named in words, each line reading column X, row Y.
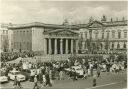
column 35, row 83
column 94, row 83
column 48, row 83
column 44, row 80
column 98, row 71
column 15, row 82
column 85, row 74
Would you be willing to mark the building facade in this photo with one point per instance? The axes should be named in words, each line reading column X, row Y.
column 5, row 38
column 95, row 36
column 46, row 38
column 110, row 36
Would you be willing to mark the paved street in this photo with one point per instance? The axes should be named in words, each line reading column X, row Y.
column 107, row 81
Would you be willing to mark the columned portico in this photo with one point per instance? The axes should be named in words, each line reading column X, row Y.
column 61, row 46
column 61, row 42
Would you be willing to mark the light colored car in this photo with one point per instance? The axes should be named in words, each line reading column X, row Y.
column 14, row 73
column 79, row 70
column 3, row 79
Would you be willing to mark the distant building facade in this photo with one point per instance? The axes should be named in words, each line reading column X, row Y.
column 105, row 35
column 5, row 38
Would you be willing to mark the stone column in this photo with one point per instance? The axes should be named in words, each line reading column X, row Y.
column 71, row 45
column 76, row 46
column 50, row 51
column 45, row 46
column 55, row 47
column 66, row 46
column 61, row 46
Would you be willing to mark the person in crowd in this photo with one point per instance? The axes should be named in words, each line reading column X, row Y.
column 32, row 74
column 18, row 83
column 98, row 71
column 15, row 81
column 85, row 74
column 48, row 82
column 94, row 83
column 35, row 83
column 44, row 80
column 61, row 75
column 74, row 74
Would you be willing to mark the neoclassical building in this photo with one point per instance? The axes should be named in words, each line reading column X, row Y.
column 5, row 38
column 66, row 39
column 46, row 38
column 104, row 35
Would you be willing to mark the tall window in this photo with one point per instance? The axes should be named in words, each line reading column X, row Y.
column 81, row 35
column 125, row 34
column 102, row 35
column 96, row 35
column 113, row 34
column 118, row 46
column 107, row 34
column 112, row 45
column 86, row 35
column 119, row 34
column 124, row 45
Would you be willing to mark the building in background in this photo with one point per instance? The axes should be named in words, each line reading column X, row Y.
column 95, row 36
column 104, row 35
column 45, row 38
column 5, row 38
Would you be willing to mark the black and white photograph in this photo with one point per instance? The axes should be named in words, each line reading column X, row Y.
column 63, row 44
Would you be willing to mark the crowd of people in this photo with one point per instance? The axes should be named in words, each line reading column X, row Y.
column 9, row 56
column 44, row 73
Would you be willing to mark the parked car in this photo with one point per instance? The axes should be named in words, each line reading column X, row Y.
column 3, row 79
column 79, row 70
column 14, row 73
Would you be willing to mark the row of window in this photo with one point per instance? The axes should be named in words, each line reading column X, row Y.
column 118, row 46
column 16, row 32
column 108, row 35
column 5, row 31
column 113, row 46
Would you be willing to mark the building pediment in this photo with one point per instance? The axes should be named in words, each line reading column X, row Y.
column 62, row 32
column 95, row 24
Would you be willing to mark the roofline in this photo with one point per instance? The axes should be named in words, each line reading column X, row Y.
column 38, row 24
column 57, row 26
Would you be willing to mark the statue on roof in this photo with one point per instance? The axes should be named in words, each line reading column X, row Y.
column 111, row 20
column 65, row 22
column 123, row 19
column 91, row 19
column 104, row 18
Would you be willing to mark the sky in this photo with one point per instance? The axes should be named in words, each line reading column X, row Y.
column 54, row 12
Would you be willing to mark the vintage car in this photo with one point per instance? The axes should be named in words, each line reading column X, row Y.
column 14, row 73
column 3, row 79
column 79, row 70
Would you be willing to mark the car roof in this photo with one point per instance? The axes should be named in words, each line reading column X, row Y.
column 14, row 71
